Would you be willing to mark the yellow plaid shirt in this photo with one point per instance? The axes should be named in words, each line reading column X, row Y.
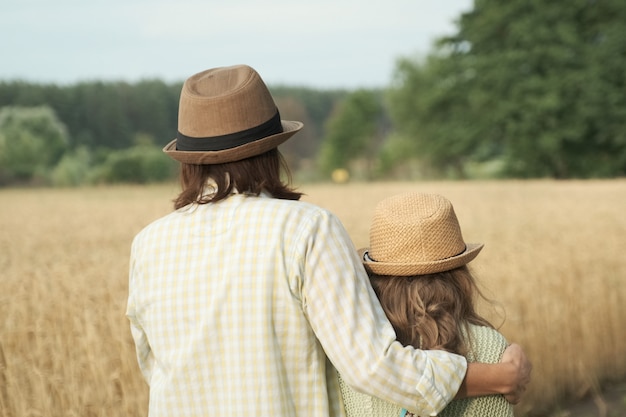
column 248, row 306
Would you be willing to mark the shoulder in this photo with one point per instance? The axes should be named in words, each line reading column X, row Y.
column 487, row 344
column 301, row 212
column 294, row 205
column 485, row 332
column 159, row 228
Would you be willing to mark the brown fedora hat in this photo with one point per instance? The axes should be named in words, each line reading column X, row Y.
column 227, row 114
column 416, row 234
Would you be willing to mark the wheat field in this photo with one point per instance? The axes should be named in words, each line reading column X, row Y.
column 554, row 260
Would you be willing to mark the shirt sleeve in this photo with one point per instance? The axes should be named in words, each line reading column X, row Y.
column 351, row 326
column 143, row 351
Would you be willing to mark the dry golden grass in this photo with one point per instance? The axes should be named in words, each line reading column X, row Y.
column 553, row 258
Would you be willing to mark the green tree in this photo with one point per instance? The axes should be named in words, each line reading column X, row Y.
column 353, row 131
column 138, row 164
column 73, row 169
column 537, row 85
column 103, row 114
column 431, row 106
column 318, row 104
column 32, row 141
column 312, row 107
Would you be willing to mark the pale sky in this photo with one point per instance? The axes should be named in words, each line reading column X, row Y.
column 313, row 43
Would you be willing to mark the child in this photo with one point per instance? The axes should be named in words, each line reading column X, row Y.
column 417, row 265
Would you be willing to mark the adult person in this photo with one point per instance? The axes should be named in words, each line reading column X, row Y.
column 417, row 264
column 243, row 301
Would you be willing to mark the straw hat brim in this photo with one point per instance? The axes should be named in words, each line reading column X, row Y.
column 238, row 153
column 422, row 268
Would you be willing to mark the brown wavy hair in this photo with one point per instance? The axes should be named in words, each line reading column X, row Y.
column 431, row 311
column 251, row 176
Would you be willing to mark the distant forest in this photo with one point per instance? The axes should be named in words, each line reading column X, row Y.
column 114, row 115
column 106, row 120
column 522, row 90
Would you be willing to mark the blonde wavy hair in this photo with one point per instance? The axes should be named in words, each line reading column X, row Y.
column 431, row 311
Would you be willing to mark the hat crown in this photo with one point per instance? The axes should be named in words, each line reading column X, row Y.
column 415, row 228
column 227, row 114
column 223, row 101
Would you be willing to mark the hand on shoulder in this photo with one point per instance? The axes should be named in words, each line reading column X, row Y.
column 521, row 368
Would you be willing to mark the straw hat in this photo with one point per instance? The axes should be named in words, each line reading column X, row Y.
column 227, row 114
column 416, row 234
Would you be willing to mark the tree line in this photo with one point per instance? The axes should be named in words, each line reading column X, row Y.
column 523, row 89
column 107, row 132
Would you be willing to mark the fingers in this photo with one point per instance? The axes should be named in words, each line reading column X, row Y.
column 515, row 354
column 516, row 396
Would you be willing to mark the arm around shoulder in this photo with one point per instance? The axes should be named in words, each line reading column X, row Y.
column 509, row 377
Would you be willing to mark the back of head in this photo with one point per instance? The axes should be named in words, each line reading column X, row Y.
column 417, row 263
column 202, row 184
column 229, row 129
column 430, row 311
